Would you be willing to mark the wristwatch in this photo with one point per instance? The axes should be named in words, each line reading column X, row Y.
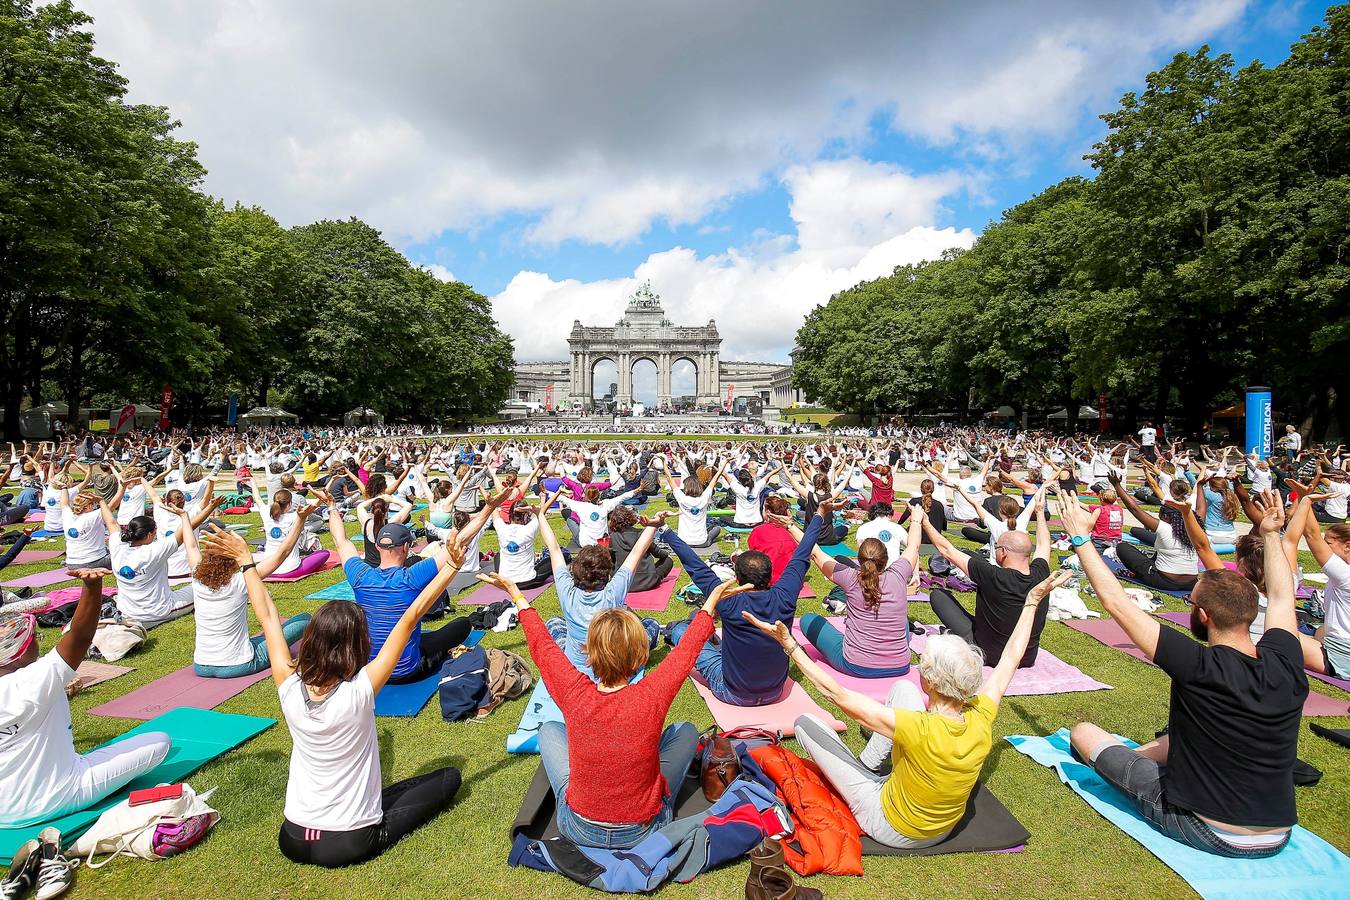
column 1078, row 540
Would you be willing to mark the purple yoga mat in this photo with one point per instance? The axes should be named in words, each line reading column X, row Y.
column 1112, row 635
column 28, row 557
column 1184, row 619
column 38, row 579
column 1050, row 674
column 181, row 688
column 656, row 599
column 490, row 593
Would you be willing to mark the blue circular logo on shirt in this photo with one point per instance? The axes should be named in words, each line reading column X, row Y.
column 168, row 534
column 51, row 501
column 595, row 517
column 72, row 532
column 885, row 536
column 275, row 532
column 693, row 510
column 512, row 547
column 126, row 498
column 126, row 572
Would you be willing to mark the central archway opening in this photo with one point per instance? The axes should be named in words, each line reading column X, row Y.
column 683, row 383
column 604, row 382
column 644, row 382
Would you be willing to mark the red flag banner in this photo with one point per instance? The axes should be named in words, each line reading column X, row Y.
column 165, row 405
column 126, row 419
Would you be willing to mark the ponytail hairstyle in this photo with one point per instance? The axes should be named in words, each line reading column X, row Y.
column 1008, row 510
column 379, row 514
column 1231, row 507
column 1180, row 489
column 138, row 529
column 746, row 480
column 376, row 486
column 281, row 501
column 871, row 563
column 1251, row 560
column 821, row 485
column 926, row 488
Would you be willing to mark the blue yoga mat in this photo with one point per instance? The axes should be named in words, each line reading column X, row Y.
column 539, row 709
column 340, row 591
column 408, row 699
column 198, row 735
column 1308, row 868
column 839, row 550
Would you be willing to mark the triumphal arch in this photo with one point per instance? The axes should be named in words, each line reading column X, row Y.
column 644, row 333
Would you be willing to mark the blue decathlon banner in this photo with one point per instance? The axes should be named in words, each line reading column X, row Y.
column 1260, row 427
column 233, row 414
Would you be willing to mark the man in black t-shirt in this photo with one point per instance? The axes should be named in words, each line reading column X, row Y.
column 1221, row 780
column 1001, row 588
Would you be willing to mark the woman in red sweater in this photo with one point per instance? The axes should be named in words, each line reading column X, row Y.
column 615, row 771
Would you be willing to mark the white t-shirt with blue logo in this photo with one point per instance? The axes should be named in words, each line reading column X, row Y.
column 889, row 533
column 593, row 519
column 693, row 527
column 275, row 531
column 143, row 590
column 51, row 507
column 516, row 553
column 86, row 537
column 133, row 504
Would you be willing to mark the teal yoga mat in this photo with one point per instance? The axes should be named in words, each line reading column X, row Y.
column 1307, row 868
column 839, row 550
column 199, row 736
column 340, row 591
column 539, row 709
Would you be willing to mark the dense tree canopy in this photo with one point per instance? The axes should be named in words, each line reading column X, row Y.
column 118, row 275
column 1209, row 252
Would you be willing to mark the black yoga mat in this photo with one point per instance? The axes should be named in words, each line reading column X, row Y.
column 986, row 826
column 1338, row 735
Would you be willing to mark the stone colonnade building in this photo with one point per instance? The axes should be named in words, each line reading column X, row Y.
column 645, row 334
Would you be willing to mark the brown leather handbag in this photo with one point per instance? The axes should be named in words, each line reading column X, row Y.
column 720, row 766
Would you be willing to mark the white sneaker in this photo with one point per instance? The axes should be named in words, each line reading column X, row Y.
column 55, row 872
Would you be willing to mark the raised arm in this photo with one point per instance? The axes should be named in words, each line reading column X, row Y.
column 555, row 554
column 74, row 644
column 337, row 527
column 1196, row 532
column 273, row 561
column 1016, row 648
column 958, row 558
column 1139, row 625
column 1146, row 518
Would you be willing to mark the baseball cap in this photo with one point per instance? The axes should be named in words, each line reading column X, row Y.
column 393, row 535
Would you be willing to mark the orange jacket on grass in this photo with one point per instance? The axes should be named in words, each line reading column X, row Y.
column 827, row 837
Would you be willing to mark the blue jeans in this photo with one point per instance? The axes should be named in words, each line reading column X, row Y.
column 292, row 628
column 708, row 664
column 557, row 629
column 679, row 743
column 830, row 642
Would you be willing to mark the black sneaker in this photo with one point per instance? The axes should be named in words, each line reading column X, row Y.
column 55, row 872
column 22, row 871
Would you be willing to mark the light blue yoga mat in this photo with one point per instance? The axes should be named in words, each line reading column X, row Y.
column 1308, row 868
column 340, row 591
column 199, row 736
column 404, row 700
column 839, row 550
column 539, row 709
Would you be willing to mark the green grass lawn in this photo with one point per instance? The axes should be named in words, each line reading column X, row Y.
column 1072, row 851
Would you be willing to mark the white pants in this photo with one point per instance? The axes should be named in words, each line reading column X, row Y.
column 106, row 770
column 860, row 788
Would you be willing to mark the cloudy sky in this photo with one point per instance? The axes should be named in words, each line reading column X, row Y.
column 748, row 159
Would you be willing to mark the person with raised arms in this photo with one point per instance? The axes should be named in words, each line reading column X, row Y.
column 44, row 777
column 1221, row 779
column 936, row 749
column 615, row 766
column 336, row 812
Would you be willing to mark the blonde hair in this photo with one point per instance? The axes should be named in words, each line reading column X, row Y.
column 952, row 668
column 616, row 646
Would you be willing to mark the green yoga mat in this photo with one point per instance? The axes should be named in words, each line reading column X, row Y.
column 199, row 736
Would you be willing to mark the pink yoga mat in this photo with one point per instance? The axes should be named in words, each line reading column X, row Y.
column 1112, row 635
column 38, row 579
column 780, row 716
column 1184, row 619
column 1050, row 674
column 35, row 515
column 181, row 688
column 807, row 592
column 91, row 673
column 656, row 599
column 62, row 596
column 332, row 563
column 490, row 593
column 28, row 557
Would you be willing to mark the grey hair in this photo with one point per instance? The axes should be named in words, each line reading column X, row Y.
column 952, row 668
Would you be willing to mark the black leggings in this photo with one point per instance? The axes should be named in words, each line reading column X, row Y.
column 952, row 614
column 1143, row 535
column 659, row 572
column 408, row 805
column 436, row 646
column 971, row 533
column 1145, row 569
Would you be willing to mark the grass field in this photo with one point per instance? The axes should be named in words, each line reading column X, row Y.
column 1072, row 852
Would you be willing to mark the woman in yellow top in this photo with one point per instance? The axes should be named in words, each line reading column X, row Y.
column 937, row 752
